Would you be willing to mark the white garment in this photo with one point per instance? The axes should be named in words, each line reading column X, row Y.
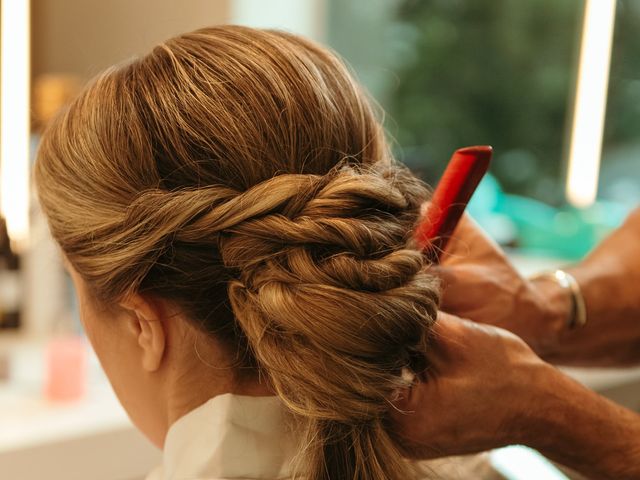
column 241, row 437
column 229, row 436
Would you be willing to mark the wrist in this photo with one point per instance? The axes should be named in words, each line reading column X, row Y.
column 546, row 409
column 532, row 420
column 554, row 308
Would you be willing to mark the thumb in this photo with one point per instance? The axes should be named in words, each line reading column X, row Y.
column 461, row 287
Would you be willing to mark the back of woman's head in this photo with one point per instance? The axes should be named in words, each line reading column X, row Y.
column 242, row 175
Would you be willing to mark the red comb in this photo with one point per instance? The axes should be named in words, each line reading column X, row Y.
column 459, row 180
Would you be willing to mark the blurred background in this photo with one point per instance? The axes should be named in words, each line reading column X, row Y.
column 553, row 86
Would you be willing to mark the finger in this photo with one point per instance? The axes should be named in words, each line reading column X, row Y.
column 451, row 327
column 449, row 274
column 407, row 418
column 458, row 243
column 469, row 243
column 449, row 335
column 462, row 287
column 436, row 348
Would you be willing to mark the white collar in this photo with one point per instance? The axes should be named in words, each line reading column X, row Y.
column 251, row 438
column 229, row 437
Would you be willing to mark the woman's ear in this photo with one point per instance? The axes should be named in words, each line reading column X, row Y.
column 146, row 322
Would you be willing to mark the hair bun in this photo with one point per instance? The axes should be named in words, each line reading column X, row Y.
column 332, row 299
column 362, row 212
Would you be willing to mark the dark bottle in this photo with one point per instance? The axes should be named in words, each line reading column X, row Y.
column 10, row 285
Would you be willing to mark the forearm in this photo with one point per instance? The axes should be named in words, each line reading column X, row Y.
column 611, row 336
column 609, row 279
column 574, row 426
column 481, row 284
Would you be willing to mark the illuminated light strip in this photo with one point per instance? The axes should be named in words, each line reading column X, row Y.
column 14, row 118
column 590, row 102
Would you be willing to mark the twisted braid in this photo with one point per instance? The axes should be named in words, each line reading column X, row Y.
column 300, row 249
column 363, row 287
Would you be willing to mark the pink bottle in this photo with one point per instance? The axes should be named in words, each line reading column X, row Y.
column 66, row 368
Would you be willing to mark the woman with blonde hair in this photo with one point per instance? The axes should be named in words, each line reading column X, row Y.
column 239, row 236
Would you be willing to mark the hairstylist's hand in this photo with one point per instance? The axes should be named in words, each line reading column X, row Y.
column 488, row 389
column 480, row 283
column 476, row 394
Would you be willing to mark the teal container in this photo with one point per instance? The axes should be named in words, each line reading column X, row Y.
column 540, row 229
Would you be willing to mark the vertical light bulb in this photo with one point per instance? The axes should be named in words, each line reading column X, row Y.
column 14, row 117
column 590, row 102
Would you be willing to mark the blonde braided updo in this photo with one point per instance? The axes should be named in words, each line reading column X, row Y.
column 242, row 174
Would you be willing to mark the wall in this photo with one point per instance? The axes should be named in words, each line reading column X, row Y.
column 83, row 37
column 305, row 17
